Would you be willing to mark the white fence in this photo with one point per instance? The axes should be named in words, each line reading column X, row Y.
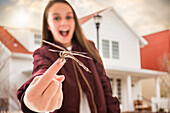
column 162, row 103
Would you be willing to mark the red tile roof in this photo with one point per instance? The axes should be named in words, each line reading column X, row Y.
column 11, row 42
column 154, row 56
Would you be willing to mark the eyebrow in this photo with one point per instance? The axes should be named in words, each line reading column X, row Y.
column 59, row 14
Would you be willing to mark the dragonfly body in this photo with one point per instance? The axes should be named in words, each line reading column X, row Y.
column 69, row 54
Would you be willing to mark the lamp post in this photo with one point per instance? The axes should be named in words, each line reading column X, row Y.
column 97, row 20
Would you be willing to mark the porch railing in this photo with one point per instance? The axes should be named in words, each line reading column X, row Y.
column 162, row 104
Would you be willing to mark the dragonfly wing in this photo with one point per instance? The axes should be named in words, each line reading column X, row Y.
column 54, row 45
column 81, row 55
column 78, row 52
column 80, row 63
column 52, row 50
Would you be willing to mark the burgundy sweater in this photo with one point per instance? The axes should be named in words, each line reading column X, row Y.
column 96, row 85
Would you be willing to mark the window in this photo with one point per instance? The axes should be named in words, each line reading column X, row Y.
column 115, row 50
column 119, row 89
column 105, row 48
column 112, row 83
column 37, row 38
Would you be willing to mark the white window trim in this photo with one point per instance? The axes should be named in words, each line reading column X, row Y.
column 110, row 49
column 37, row 39
column 118, row 49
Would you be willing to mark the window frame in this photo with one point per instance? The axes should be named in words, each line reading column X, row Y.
column 37, row 38
column 105, row 50
column 115, row 54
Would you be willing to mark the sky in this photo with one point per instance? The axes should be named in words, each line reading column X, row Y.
column 144, row 16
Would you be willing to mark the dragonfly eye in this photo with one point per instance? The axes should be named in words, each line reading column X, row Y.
column 68, row 54
column 61, row 53
column 64, row 54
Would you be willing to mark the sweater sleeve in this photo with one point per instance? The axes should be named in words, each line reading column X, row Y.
column 112, row 103
column 20, row 96
column 41, row 64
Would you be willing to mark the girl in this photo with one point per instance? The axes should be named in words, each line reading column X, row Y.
column 73, row 89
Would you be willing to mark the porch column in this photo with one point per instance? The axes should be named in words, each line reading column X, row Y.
column 129, row 94
column 157, row 87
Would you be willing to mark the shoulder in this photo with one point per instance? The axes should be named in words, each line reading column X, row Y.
column 43, row 52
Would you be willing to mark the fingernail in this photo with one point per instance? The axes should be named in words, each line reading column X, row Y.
column 62, row 78
column 62, row 61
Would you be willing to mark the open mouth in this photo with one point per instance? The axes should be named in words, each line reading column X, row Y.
column 64, row 33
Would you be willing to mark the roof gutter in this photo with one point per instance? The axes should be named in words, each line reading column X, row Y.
column 22, row 55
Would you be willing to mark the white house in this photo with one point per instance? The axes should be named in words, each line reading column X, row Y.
column 15, row 63
column 29, row 38
column 119, row 49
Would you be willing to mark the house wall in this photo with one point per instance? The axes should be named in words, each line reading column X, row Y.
column 136, row 89
column 4, row 70
column 148, row 88
column 19, row 63
column 124, row 95
column 26, row 38
column 113, row 29
column 4, row 76
column 4, row 81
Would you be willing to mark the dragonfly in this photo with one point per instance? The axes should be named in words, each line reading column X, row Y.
column 69, row 54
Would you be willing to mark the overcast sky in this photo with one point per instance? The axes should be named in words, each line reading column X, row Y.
column 144, row 16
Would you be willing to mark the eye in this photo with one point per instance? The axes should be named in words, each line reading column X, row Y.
column 56, row 18
column 69, row 17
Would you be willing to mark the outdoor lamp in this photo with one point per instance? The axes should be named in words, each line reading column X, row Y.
column 97, row 20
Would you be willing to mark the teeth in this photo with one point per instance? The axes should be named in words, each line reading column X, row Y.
column 64, row 30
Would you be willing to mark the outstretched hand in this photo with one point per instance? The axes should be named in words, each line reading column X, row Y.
column 45, row 92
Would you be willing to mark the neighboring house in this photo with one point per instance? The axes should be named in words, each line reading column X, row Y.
column 119, row 49
column 15, row 67
column 29, row 38
column 155, row 56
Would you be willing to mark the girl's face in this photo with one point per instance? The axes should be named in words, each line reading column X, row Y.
column 61, row 23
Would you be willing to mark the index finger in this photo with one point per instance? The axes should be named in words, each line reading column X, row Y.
column 51, row 72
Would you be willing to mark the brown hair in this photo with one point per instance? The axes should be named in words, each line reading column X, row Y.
column 78, row 33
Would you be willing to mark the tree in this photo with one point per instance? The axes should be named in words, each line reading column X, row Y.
column 165, row 80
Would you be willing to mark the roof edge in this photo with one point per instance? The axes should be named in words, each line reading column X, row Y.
column 143, row 42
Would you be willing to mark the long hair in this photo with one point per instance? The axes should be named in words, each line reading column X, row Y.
column 78, row 33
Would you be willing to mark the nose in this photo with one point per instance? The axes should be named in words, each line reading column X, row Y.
column 64, row 22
